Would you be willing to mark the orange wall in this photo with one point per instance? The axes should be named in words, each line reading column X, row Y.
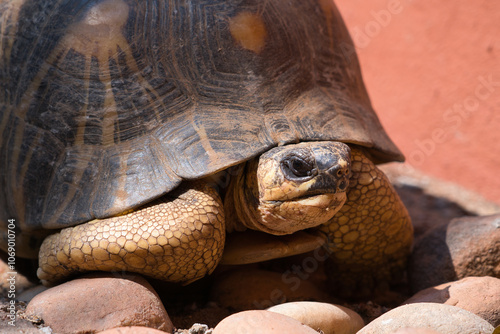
column 432, row 69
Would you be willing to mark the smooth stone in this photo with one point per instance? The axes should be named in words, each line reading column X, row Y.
column 467, row 246
column 261, row 322
column 98, row 302
column 22, row 283
column 132, row 330
column 324, row 317
column 415, row 331
column 445, row 319
column 247, row 289
column 20, row 326
column 29, row 294
column 479, row 295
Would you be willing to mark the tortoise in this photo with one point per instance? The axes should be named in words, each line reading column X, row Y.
column 123, row 120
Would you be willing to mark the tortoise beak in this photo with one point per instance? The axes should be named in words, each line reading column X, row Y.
column 300, row 186
column 310, row 169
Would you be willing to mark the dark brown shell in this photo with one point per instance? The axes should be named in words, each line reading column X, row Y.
column 105, row 105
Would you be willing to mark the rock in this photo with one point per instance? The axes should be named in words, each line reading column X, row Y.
column 105, row 301
column 432, row 201
column 479, row 295
column 29, row 294
column 415, row 331
column 261, row 322
column 246, row 289
column 445, row 319
column 199, row 329
column 24, row 329
column 13, row 320
column 329, row 318
column 468, row 246
column 132, row 330
column 21, row 326
column 9, row 276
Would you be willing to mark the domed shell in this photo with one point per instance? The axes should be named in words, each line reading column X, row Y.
column 108, row 104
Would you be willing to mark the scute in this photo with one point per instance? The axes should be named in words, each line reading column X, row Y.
column 93, row 124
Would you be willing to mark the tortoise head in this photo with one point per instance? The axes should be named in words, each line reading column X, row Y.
column 293, row 187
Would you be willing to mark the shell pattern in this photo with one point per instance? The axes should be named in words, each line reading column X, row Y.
column 108, row 104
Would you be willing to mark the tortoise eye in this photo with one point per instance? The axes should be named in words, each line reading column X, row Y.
column 295, row 167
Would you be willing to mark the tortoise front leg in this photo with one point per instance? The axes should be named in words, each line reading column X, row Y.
column 180, row 239
column 371, row 235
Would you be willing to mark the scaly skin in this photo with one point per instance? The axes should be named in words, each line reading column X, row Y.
column 182, row 248
column 371, row 235
column 261, row 197
column 182, row 239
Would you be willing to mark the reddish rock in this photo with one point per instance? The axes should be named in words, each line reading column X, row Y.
column 445, row 319
column 261, row 322
column 325, row 317
column 98, row 302
column 132, row 330
column 20, row 326
column 29, row 294
column 468, row 246
column 9, row 276
column 248, row 289
column 415, row 331
column 479, row 295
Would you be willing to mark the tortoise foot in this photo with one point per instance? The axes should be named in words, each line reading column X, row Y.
column 371, row 236
column 178, row 238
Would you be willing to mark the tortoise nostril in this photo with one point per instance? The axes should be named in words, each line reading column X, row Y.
column 342, row 172
column 342, row 175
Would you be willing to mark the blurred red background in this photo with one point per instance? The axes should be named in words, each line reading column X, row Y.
column 432, row 70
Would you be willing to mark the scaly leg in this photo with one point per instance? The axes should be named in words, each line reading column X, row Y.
column 371, row 236
column 180, row 239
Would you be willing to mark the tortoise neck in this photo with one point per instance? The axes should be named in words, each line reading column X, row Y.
column 241, row 203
